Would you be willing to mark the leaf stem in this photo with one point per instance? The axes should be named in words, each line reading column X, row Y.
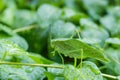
column 81, row 57
column 29, row 64
column 109, row 76
column 75, row 62
column 25, row 28
column 47, row 65
column 103, row 67
column 4, row 55
column 61, row 58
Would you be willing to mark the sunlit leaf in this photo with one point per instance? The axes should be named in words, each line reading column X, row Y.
column 89, row 71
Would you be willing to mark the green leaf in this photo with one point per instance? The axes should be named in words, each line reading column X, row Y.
column 15, row 39
column 70, row 4
column 95, row 8
column 115, row 42
column 28, row 4
column 15, row 72
column 51, row 76
column 89, row 71
column 20, row 41
column 114, row 11
column 75, row 18
column 109, row 22
column 39, row 59
column 60, row 29
column 23, row 18
column 92, row 31
column 47, row 14
column 2, row 5
column 8, row 34
column 118, row 77
column 54, row 73
column 112, row 21
column 87, row 23
column 73, row 47
column 112, row 67
column 68, row 12
column 14, row 52
column 7, row 16
column 35, row 73
column 6, row 30
column 72, row 15
column 37, row 39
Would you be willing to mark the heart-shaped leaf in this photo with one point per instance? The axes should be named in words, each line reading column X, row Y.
column 89, row 71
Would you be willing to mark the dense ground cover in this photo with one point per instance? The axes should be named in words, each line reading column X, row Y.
column 59, row 40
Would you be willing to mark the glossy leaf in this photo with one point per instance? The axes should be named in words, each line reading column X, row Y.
column 60, row 29
column 8, row 72
column 54, row 73
column 13, row 52
column 89, row 71
column 15, row 39
column 47, row 14
column 112, row 67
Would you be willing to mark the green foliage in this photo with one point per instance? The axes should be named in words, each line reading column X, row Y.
column 112, row 20
column 114, row 42
column 39, row 59
column 95, row 8
column 113, row 65
column 12, row 52
column 54, row 74
column 47, row 14
column 5, row 30
column 25, row 18
column 21, row 73
column 89, row 71
column 42, row 39
column 61, row 29
column 91, row 28
column 8, row 34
